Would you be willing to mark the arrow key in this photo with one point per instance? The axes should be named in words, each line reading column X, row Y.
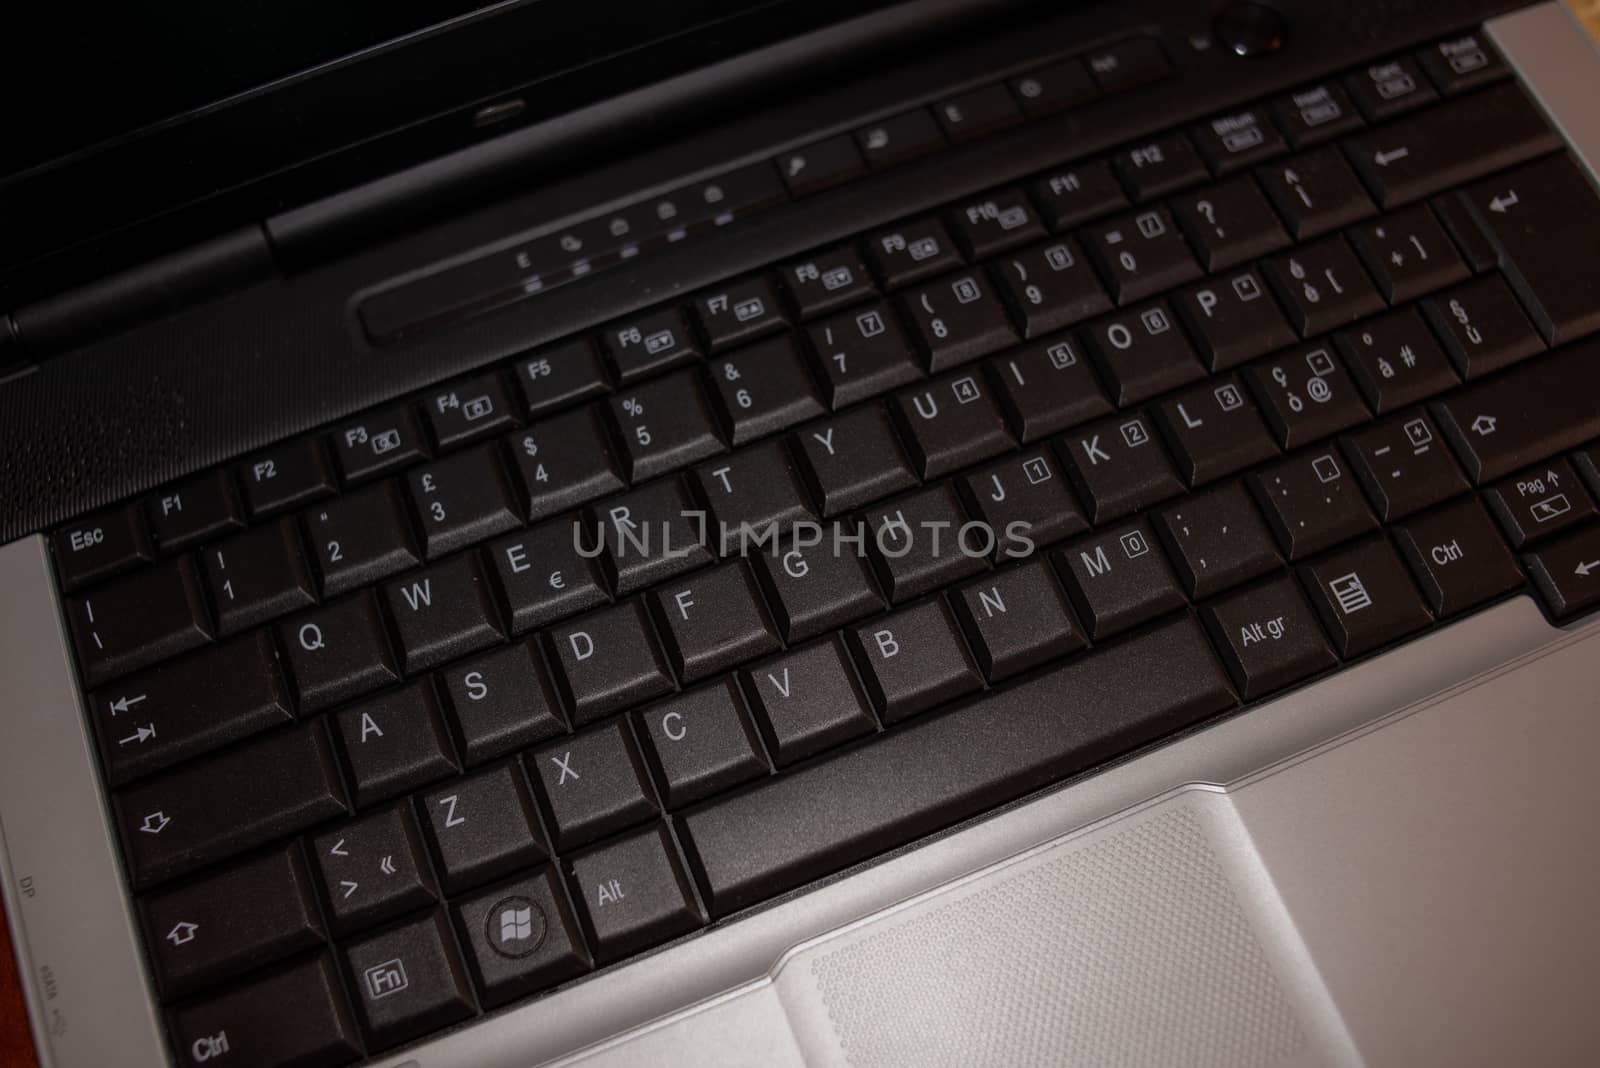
column 1567, row 572
column 372, row 869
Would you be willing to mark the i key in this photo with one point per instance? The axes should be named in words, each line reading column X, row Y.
column 1047, row 386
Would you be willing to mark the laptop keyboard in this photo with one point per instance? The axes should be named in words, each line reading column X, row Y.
column 457, row 701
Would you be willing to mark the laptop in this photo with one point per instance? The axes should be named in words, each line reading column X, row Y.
column 797, row 534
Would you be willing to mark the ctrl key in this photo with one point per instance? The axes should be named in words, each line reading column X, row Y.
column 295, row 1015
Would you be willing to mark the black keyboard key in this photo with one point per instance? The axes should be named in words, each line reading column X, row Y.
column 1268, row 637
column 563, row 463
column 958, row 319
column 1118, row 579
column 862, row 353
column 1364, row 597
column 556, row 377
column 100, row 546
column 899, row 139
column 225, row 805
column 918, row 545
column 853, row 459
column 408, row 981
column 461, row 501
column 808, row 700
column 201, row 509
column 190, row 706
column 821, row 165
column 293, row 1015
column 442, row 613
column 1024, row 501
column 1316, row 192
column 1403, row 465
column 373, row 869
column 951, row 422
column 502, row 701
column 1046, row 387
column 593, row 784
column 1230, row 223
column 360, row 538
column 1233, row 319
column 649, row 535
column 1077, row 194
column 1017, row 619
column 977, row 113
column 608, row 660
column 1395, row 360
column 913, row 660
column 1461, row 63
column 713, row 620
column 1118, row 467
column 284, row 477
column 998, row 222
column 1483, row 326
column 1567, row 572
column 633, row 893
column 1306, row 395
column 1458, row 557
column 482, row 827
column 468, row 411
column 1156, row 168
column 664, row 424
column 799, row 827
column 1389, row 88
column 743, row 310
column 336, row 653
column 1051, row 287
column 1316, row 113
column 764, row 388
column 700, row 743
column 1473, row 244
column 755, row 497
column 1540, row 502
column 1128, row 64
column 1322, row 286
column 1054, row 88
column 1214, row 430
column 377, row 444
column 137, row 620
column 1217, row 540
column 1588, row 462
column 1143, row 352
column 919, row 249
column 257, row 576
column 1409, row 254
column 521, row 937
column 817, row 585
column 1237, row 139
column 395, row 742
column 247, row 916
column 827, row 281
column 648, row 343
column 1141, row 254
column 1312, row 502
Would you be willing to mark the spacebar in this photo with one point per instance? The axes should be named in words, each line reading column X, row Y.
column 801, row 826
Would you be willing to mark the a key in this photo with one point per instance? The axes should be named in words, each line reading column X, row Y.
column 1076, row 194
column 1017, row 619
column 1540, row 502
column 1156, row 168
column 1141, row 254
column 899, row 139
column 293, row 1015
column 1312, row 501
column 1567, row 572
column 1461, row 63
column 461, row 500
column 1458, row 557
column 409, row 980
column 1025, row 502
column 1483, row 326
column 763, row 388
column 607, row 661
column 713, row 620
column 664, row 424
column 244, row 917
column 1046, row 387
column 633, row 893
column 853, row 459
column 1364, row 597
column 918, row 542
column 190, row 706
column 395, row 742
column 1389, row 88
column 753, row 491
column 482, row 827
column 821, row 165
column 700, row 743
column 336, row 652
column 1306, row 395
column 1236, row 140
column 913, row 659
column 1315, row 192
column 1229, row 223
column 563, row 463
column 1233, row 319
column 501, row 702
column 284, row 477
column 1395, row 360
column 827, row 281
column 201, row 509
column 862, row 353
column 977, row 113
column 742, row 311
column 1403, row 465
column 361, row 538
column 1322, row 286
column 1214, row 430
column 224, row 805
column 520, row 938
column 1054, row 88
column 951, row 422
column 105, row 544
column 956, row 319
column 920, row 249
column 468, row 411
column 993, row 224
column 1268, row 637
column 1118, row 579
column 557, row 377
column 373, row 869
column 592, row 784
column 442, row 613
column 1408, row 253
column 139, row 619
column 808, row 700
column 1117, row 467
column 542, row 576
column 649, row 535
column 1051, row 287
column 378, row 444
column 1143, row 352
column 1316, row 113
column 1217, row 540
column 814, row 586
column 1128, row 64
column 647, row 343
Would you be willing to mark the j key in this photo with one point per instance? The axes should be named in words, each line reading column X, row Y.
column 190, row 706
column 827, row 282
column 978, row 113
column 1567, row 572
column 482, row 827
column 137, row 620
column 556, row 377
column 336, row 652
column 958, row 319
column 1217, row 540
column 1233, row 319
column 592, row 784
column 1403, row 465
column 542, row 575
column 1409, row 254
column 764, row 388
column 1118, row 468
column 395, row 743
column 1238, row 139
column 1540, row 502
column 564, row 462
column 713, row 620
column 1025, row 502
column 1483, row 326
column 995, row 223
column 853, row 459
column 409, row 980
column 751, row 491
column 1268, row 637
column 918, row 543
column 795, row 828
column 1396, row 360
column 649, row 535
column 1364, row 597
column 1455, row 142
column 1054, row 88
column 808, row 700
column 501, row 701
column 225, row 805
column 633, row 893
column 1463, row 62
column 914, row 659
column 284, row 477
column 382, row 442
column 900, row 138
column 1543, row 219
column 1316, row 113
column 1141, row 254
column 649, row 343
column 1158, row 167
column 1143, row 352
column 1051, row 287
column 1306, row 395
column 700, row 743
column 1017, row 619
column 1316, row 192
column 442, row 613
column 461, row 500
column 100, row 546
column 919, row 249
column 247, row 916
column 742, row 311
column 1389, row 88
column 664, row 424
column 199, row 510
column 816, row 586
column 862, row 353
column 1458, row 557
column 1214, row 430
column 1533, row 411
column 293, row 1015
column 1047, row 386
column 950, row 423
column 1312, row 502
column 373, row 869
column 1322, row 286
column 1230, row 223
column 360, row 538
column 608, row 660
column 468, row 411
column 1077, row 194
column 821, row 165
column 521, row 937
column 1118, row 579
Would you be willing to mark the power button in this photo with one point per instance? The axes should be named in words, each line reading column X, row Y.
column 1250, row 29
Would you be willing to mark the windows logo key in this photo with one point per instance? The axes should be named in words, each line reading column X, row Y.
column 515, row 926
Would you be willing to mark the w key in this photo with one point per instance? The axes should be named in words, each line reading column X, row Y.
column 442, row 613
